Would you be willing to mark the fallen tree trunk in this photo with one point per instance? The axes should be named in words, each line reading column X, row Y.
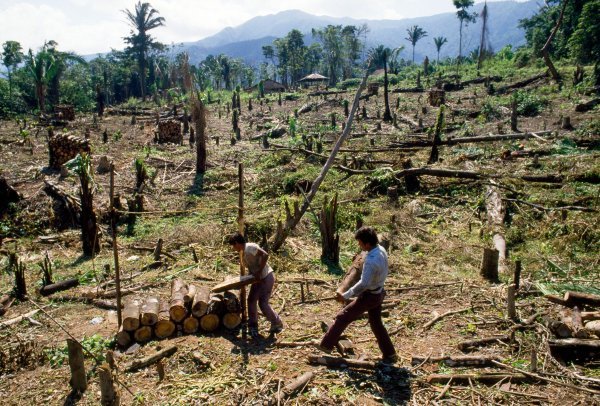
column 333, row 362
column 581, row 300
column 481, row 361
column 234, row 283
column 100, row 303
column 496, row 211
column 472, row 344
column 298, row 384
column 18, row 319
column 144, row 362
column 520, row 84
column 59, row 286
column 466, row 379
column 575, row 349
column 587, row 106
column 469, row 140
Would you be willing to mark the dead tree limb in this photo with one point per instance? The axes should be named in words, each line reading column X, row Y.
column 283, row 230
column 546, row 47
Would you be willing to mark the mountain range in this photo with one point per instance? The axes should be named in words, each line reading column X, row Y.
column 246, row 40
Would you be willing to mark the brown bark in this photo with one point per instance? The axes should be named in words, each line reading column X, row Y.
column 298, row 384
column 330, row 239
column 232, row 302
column 465, row 379
column 489, row 265
column 233, row 283
column 581, row 299
column 472, row 344
column 59, row 286
column 200, row 304
column 123, row 338
column 521, row 83
column 333, row 362
column 131, row 315
column 144, row 362
column 469, row 140
column 546, row 47
column 190, row 294
column 480, row 361
column 177, row 308
column 109, row 395
column 353, row 273
column 78, row 377
column 149, row 311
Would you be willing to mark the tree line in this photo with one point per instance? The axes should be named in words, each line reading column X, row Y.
column 40, row 80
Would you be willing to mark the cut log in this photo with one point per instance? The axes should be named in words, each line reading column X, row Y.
column 575, row 349
column 200, row 304
column 232, row 320
column 123, row 338
column 587, row 106
column 472, row 344
column 232, row 302
column 143, row 334
column 561, row 329
column 100, row 303
column 177, row 308
column 344, row 345
column 297, row 385
column 78, row 377
column 131, row 315
column 581, row 300
column 521, row 83
column 164, row 327
column 188, row 298
column 18, row 319
column 149, row 311
column 333, row 362
column 190, row 325
column 234, row 283
column 209, row 322
column 144, row 362
column 443, row 315
column 456, row 361
column 424, row 143
column 465, row 379
column 353, row 273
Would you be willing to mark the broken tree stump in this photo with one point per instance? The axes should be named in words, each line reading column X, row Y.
column 489, row 265
column 109, row 395
column 78, row 378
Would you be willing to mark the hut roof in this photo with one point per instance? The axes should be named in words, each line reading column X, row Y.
column 313, row 77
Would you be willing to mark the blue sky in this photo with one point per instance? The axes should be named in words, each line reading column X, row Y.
column 91, row 26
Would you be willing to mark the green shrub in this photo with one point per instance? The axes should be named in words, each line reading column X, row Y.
column 348, row 83
column 528, row 104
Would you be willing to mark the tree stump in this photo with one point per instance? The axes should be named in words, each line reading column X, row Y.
column 489, row 265
column 78, row 378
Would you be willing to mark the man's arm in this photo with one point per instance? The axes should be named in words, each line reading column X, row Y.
column 361, row 285
column 263, row 257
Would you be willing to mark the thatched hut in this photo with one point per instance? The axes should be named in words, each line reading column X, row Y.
column 313, row 79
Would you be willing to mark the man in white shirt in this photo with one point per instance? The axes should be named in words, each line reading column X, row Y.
column 369, row 295
column 255, row 259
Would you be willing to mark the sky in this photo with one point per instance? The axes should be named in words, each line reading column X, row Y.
column 93, row 26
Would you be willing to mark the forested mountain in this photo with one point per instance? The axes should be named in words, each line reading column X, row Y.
column 245, row 41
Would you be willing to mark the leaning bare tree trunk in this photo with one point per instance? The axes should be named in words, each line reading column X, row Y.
column 199, row 118
column 283, row 230
column 546, row 53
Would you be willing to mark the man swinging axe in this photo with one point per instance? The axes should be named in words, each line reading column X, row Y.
column 369, row 295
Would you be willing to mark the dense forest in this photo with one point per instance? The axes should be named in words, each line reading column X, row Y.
column 124, row 176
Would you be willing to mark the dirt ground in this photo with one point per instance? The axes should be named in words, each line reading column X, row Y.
column 435, row 239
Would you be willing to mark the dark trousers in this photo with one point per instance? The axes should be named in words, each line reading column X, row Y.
column 260, row 293
column 365, row 302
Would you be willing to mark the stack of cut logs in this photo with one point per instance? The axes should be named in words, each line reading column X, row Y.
column 577, row 326
column 437, row 97
column 64, row 147
column 191, row 308
column 64, row 112
column 169, row 131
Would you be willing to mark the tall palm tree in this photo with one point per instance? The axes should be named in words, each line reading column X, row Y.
column 415, row 34
column 465, row 18
column 439, row 43
column 62, row 60
column 143, row 19
column 380, row 56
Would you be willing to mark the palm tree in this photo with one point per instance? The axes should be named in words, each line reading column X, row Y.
column 62, row 60
column 394, row 58
column 41, row 67
column 439, row 43
column 415, row 33
column 143, row 19
column 380, row 56
column 465, row 18
column 11, row 58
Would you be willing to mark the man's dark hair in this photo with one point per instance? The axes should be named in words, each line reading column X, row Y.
column 236, row 238
column 367, row 235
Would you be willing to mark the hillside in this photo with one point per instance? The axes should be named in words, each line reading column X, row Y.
column 245, row 41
